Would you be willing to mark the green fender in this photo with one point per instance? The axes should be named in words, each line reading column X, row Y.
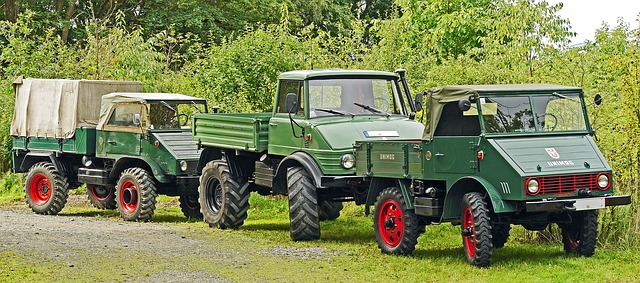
column 379, row 184
column 452, row 201
column 123, row 163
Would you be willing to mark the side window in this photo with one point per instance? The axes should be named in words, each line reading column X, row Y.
column 287, row 87
column 127, row 115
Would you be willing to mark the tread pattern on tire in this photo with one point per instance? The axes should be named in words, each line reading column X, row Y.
column 147, row 194
column 500, row 234
column 60, row 187
column 413, row 226
column 235, row 202
column 304, row 217
column 108, row 203
column 187, row 207
column 585, row 224
column 329, row 210
column 482, row 229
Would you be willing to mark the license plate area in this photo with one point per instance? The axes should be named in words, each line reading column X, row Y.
column 589, row 203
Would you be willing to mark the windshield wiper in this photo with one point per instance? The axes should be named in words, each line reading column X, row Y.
column 374, row 110
column 167, row 106
column 332, row 111
column 563, row 96
column 196, row 106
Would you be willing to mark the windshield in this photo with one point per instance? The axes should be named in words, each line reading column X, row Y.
column 354, row 97
column 532, row 113
column 173, row 115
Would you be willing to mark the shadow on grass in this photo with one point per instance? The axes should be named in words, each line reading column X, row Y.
column 509, row 255
column 157, row 217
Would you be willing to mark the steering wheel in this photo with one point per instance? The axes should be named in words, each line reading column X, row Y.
column 180, row 119
column 381, row 104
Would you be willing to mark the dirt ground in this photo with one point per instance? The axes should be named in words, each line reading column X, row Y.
column 67, row 239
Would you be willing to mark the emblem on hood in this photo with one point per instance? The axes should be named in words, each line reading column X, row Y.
column 552, row 152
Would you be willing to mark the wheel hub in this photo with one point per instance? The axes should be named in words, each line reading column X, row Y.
column 390, row 223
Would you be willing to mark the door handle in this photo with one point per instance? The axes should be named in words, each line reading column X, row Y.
column 112, row 142
column 439, row 154
column 273, row 124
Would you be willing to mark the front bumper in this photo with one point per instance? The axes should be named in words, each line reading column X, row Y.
column 577, row 204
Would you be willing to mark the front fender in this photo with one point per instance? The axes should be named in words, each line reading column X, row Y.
column 144, row 162
column 297, row 158
column 453, row 200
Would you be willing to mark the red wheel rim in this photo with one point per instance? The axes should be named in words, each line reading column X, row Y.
column 100, row 193
column 129, row 196
column 470, row 240
column 573, row 244
column 40, row 189
column 391, row 223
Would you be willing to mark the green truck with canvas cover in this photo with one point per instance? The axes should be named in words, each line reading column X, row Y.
column 125, row 145
column 303, row 148
column 491, row 156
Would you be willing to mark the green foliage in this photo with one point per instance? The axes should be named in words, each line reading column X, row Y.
column 11, row 188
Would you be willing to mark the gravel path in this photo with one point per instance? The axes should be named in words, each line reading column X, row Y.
column 70, row 240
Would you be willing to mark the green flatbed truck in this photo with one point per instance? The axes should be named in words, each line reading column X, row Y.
column 491, row 156
column 125, row 145
column 303, row 148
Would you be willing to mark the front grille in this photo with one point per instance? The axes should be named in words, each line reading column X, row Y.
column 566, row 183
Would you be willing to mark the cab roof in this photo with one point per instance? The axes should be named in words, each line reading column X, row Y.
column 334, row 73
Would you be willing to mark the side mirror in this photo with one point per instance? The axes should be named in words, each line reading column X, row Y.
column 464, row 105
column 136, row 119
column 597, row 99
column 215, row 109
column 418, row 102
column 291, row 103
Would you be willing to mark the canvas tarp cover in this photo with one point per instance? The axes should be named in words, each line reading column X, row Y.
column 54, row 108
column 144, row 98
column 436, row 99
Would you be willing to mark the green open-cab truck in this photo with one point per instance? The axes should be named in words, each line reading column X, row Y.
column 303, row 148
column 491, row 156
column 125, row 145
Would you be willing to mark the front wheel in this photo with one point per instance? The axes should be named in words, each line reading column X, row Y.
column 101, row 197
column 304, row 217
column 581, row 235
column 46, row 190
column 397, row 228
column 223, row 201
column 476, row 230
column 136, row 195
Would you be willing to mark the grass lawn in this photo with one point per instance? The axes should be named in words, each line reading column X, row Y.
column 261, row 251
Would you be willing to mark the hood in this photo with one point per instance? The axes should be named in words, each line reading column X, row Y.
column 179, row 144
column 552, row 155
column 343, row 134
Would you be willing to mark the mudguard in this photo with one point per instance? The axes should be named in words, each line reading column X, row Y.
column 379, row 184
column 123, row 163
column 306, row 161
column 467, row 184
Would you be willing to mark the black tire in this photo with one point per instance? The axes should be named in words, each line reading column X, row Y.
column 223, row 201
column 136, row 195
column 500, row 235
column 396, row 227
column 189, row 205
column 101, row 197
column 304, row 217
column 476, row 230
column 329, row 210
column 581, row 236
column 46, row 190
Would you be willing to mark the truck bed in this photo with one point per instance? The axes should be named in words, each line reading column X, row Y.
column 242, row 131
column 82, row 142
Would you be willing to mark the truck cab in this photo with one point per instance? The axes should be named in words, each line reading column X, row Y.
column 492, row 156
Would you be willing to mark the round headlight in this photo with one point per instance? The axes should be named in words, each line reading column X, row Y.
column 348, row 161
column 532, row 187
column 183, row 165
column 603, row 181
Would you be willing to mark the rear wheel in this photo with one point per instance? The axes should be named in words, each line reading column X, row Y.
column 45, row 189
column 190, row 205
column 304, row 217
column 101, row 197
column 476, row 230
column 397, row 228
column 329, row 210
column 136, row 195
column 581, row 235
column 224, row 202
